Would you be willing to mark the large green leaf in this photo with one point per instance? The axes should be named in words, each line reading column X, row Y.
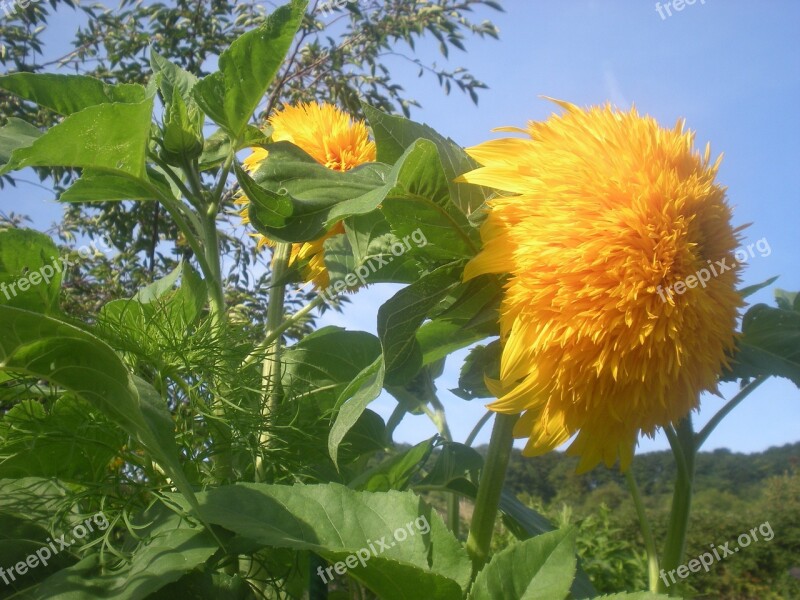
column 421, row 202
column 71, row 358
column 394, row 134
column 107, row 137
column 265, row 206
column 95, row 186
column 162, row 560
column 318, row 368
column 769, row 344
column 401, row 316
column 336, row 522
column 30, row 270
column 67, row 94
column 541, row 568
column 246, row 69
column 319, row 196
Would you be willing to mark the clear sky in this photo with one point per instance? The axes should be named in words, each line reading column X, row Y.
column 731, row 68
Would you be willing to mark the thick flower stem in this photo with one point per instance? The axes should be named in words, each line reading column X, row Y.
column 492, row 477
column 270, row 370
column 683, row 446
column 647, row 533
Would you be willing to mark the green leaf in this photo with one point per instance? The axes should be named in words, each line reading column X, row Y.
column 355, row 266
column 81, row 363
column 752, row 289
column 335, row 522
column 15, row 134
column 153, row 318
column 68, row 94
column 395, row 472
column 20, row 538
column 69, row 442
column 94, row 186
column 182, row 131
column 354, row 399
column 394, row 134
column 162, row 560
column 481, row 362
column 423, row 204
column 401, row 316
column 787, row 300
column 266, row 208
column 172, row 80
column 317, row 367
column 160, row 287
column 769, row 344
column 438, row 338
column 453, row 462
column 108, row 137
column 34, row 498
column 320, row 196
column 541, row 568
column 30, row 270
column 246, row 69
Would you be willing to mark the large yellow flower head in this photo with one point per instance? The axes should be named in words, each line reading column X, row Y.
column 620, row 305
column 333, row 139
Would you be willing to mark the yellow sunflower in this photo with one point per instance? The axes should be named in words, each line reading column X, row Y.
column 620, row 305
column 333, row 139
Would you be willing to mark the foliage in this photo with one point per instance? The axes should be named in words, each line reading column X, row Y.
column 236, row 456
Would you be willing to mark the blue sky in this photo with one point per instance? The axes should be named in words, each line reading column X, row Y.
column 730, row 68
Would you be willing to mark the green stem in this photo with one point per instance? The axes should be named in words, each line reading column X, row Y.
column 477, row 429
column 216, row 291
column 223, row 179
column 723, row 412
column 270, row 370
column 647, row 533
column 683, row 446
column 259, row 350
column 492, row 477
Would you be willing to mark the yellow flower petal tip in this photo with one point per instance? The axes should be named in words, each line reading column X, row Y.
column 332, row 138
column 609, row 219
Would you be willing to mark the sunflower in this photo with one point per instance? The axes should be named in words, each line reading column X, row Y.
column 333, row 139
column 604, row 222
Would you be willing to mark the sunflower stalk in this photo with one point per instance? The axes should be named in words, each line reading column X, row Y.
column 270, row 370
column 493, row 475
column 647, row 532
column 682, row 442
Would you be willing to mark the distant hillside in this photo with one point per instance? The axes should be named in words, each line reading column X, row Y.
column 721, row 470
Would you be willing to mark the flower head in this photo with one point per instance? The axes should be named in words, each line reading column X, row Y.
column 606, row 225
column 333, row 139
